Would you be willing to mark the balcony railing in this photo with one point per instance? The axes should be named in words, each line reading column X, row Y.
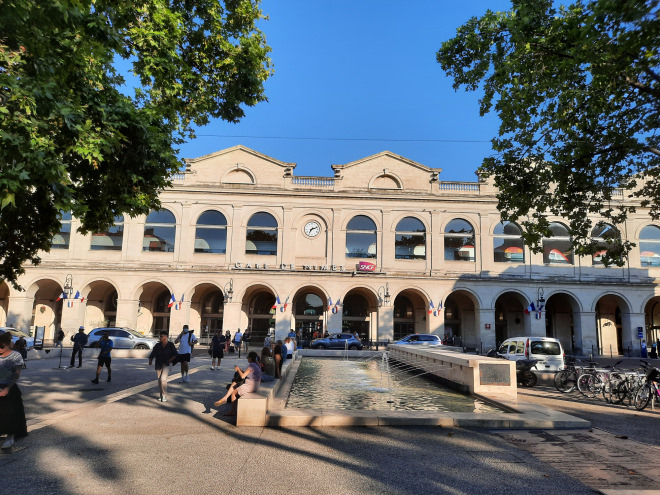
column 459, row 187
column 313, row 182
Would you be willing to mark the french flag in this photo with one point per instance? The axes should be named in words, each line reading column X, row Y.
column 62, row 296
column 277, row 301
column 179, row 305
column 431, row 306
column 77, row 296
column 530, row 308
column 440, row 304
column 329, row 303
column 286, row 303
column 172, row 301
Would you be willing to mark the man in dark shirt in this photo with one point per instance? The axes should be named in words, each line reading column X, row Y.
column 79, row 341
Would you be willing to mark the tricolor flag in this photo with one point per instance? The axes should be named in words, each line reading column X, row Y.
column 530, row 308
column 286, row 303
column 335, row 308
column 77, row 296
column 440, row 304
column 62, row 296
column 538, row 315
column 179, row 304
column 277, row 301
column 431, row 306
column 329, row 303
column 69, row 303
column 172, row 301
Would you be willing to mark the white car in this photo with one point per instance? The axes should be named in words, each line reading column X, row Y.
column 17, row 334
column 546, row 350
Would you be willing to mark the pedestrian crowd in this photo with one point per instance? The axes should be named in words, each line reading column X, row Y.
column 266, row 366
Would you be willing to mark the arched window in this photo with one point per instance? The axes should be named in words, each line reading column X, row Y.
column 649, row 246
column 558, row 250
column 112, row 239
column 604, row 234
column 361, row 238
column 356, row 306
column 261, row 237
column 459, row 241
column 61, row 239
column 211, row 233
column 508, row 245
column 309, row 305
column 159, row 231
column 410, row 240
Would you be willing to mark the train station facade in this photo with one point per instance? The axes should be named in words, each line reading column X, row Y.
column 383, row 247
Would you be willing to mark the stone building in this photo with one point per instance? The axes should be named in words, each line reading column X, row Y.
column 384, row 248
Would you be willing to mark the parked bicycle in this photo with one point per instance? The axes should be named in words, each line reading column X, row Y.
column 650, row 390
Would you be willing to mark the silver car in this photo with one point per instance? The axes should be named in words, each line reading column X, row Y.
column 17, row 334
column 122, row 338
column 420, row 339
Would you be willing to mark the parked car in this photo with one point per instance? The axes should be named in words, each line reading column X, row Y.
column 122, row 338
column 337, row 341
column 420, row 339
column 547, row 351
column 17, row 334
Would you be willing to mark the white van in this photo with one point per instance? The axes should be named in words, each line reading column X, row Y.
column 547, row 351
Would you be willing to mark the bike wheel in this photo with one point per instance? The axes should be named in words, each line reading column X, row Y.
column 565, row 381
column 593, row 386
column 528, row 379
column 643, row 397
column 584, row 386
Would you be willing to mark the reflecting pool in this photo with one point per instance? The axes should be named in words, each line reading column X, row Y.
column 376, row 385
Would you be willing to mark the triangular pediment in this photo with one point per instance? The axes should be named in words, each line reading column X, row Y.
column 237, row 165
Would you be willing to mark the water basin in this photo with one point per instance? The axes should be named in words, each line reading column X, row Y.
column 374, row 384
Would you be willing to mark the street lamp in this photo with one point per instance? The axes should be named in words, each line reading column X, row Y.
column 384, row 295
column 540, row 300
column 68, row 285
column 229, row 290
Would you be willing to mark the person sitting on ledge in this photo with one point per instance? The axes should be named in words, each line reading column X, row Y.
column 267, row 365
column 252, row 377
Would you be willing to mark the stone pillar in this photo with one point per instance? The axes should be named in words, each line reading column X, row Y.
column 71, row 318
column 385, row 328
column 485, row 321
column 231, row 317
column 283, row 322
column 334, row 320
column 435, row 324
column 19, row 312
column 127, row 312
column 585, row 334
column 536, row 326
column 630, row 322
column 180, row 317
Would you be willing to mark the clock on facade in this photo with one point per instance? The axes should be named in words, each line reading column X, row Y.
column 312, row 229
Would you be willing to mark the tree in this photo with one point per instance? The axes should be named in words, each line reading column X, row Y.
column 73, row 139
column 577, row 90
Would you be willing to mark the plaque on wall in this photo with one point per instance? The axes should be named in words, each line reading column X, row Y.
column 494, row 374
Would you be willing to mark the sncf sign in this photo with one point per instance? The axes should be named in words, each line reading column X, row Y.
column 365, row 266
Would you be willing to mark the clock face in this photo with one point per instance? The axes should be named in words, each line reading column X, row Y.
column 312, row 229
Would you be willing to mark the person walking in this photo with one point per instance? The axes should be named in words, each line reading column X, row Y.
column 12, row 412
column 21, row 347
column 186, row 341
column 104, row 356
column 238, row 337
column 164, row 353
column 59, row 339
column 217, row 349
column 79, row 341
column 247, row 336
column 228, row 342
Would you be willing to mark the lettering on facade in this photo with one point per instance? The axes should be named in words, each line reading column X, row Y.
column 239, row 265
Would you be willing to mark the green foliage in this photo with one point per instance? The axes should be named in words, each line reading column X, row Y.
column 577, row 90
column 72, row 140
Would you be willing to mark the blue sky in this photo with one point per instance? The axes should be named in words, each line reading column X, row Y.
column 356, row 77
